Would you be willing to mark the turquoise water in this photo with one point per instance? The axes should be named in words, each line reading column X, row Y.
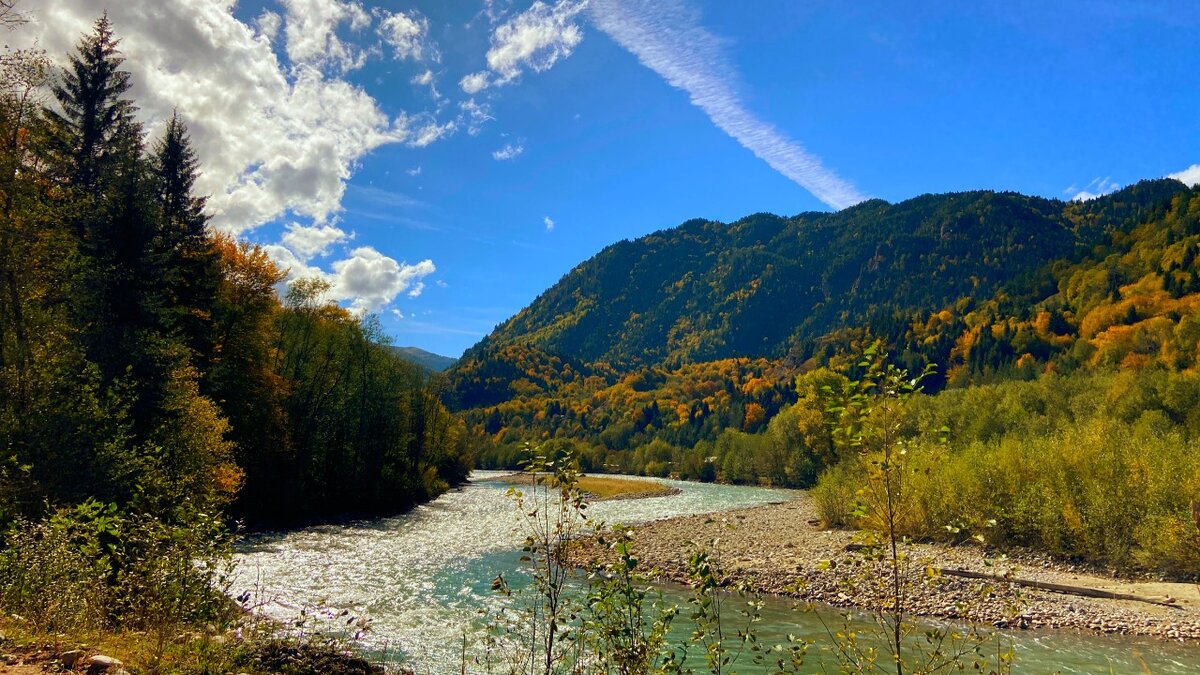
column 423, row 577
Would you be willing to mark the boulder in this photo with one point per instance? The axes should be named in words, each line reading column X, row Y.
column 103, row 664
column 69, row 659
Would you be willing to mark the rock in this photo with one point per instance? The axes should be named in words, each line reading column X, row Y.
column 68, row 659
column 103, row 664
column 9, row 659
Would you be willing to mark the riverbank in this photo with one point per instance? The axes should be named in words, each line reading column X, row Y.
column 781, row 549
column 255, row 647
column 604, row 488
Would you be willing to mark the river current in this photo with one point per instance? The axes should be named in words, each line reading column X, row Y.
column 423, row 578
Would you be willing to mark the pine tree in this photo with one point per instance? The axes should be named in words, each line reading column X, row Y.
column 184, row 241
column 93, row 114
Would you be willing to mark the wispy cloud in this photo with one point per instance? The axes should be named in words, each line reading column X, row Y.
column 509, row 151
column 535, row 39
column 387, row 197
column 667, row 38
column 1099, row 187
column 549, row 223
column 1189, row 176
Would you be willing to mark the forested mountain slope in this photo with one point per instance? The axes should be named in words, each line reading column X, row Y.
column 433, row 362
column 701, row 327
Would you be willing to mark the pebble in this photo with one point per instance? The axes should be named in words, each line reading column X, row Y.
column 773, row 566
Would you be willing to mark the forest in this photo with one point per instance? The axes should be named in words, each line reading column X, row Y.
column 161, row 385
column 1060, row 340
column 694, row 335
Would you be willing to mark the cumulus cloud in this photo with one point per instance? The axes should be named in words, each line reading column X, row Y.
column 668, row 38
column 549, row 223
column 474, row 83
column 268, row 24
column 509, row 151
column 311, row 241
column 1189, row 176
column 276, row 136
column 534, row 39
column 311, row 30
column 1097, row 188
column 367, row 280
column 408, row 36
column 371, row 280
column 273, row 137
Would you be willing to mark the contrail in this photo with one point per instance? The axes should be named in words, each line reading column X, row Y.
column 668, row 39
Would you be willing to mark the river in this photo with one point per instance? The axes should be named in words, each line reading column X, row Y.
column 423, row 578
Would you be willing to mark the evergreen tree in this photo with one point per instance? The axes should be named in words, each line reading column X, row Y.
column 183, row 239
column 92, row 113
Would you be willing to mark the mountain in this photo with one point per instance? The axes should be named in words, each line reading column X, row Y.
column 434, row 362
column 982, row 284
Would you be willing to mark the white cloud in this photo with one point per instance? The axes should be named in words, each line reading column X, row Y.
column 474, row 83
column 495, row 10
column 1097, row 188
column 370, row 279
column 311, row 30
column 549, row 223
column 311, row 241
column 415, row 171
column 408, row 36
column 430, row 132
column 273, row 138
column 367, row 279
column 268, row 24
column 668, row 38
column 509, row 151
column 397, row 313
column 291, row 264
column 474, row 115
column 534, row 39
column 1189, row 176
column 426, row 79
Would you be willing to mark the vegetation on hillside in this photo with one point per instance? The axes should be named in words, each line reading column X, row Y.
column 699, row 337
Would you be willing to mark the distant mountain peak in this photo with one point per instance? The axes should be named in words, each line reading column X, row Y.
column 434, row 362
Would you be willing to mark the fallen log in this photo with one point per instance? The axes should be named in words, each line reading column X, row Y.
column 1083, row 591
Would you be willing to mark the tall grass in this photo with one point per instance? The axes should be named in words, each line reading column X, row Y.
column 1102, row 469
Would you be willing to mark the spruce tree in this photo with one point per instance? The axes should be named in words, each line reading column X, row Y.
column 188, row 249
column 93, row 112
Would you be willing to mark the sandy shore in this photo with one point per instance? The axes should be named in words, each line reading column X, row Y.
column 778, row 549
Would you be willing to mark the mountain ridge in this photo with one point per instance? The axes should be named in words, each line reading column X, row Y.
column 779, row 296
column 436, row 363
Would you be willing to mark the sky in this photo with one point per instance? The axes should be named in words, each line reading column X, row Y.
column 443, row 162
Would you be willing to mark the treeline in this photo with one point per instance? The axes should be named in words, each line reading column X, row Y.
column 147, row 363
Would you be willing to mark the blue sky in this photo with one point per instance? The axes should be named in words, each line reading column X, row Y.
column 427, row 197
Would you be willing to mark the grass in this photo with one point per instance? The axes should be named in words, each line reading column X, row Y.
column 605, row 487
column 254, row 649
column 601, row 488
